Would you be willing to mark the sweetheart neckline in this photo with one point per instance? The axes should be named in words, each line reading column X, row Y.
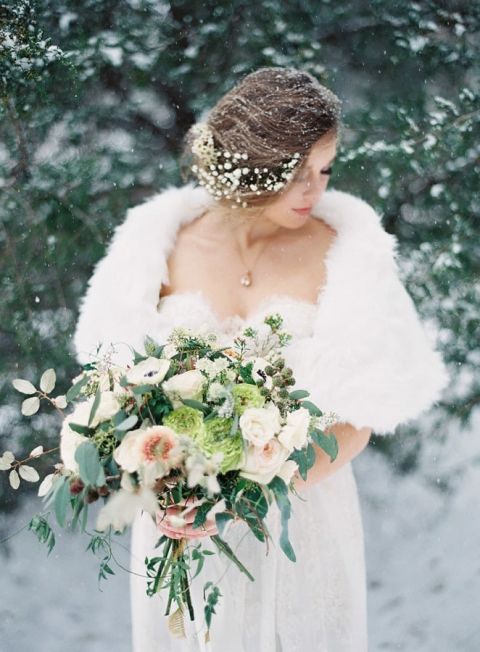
column 261, row 308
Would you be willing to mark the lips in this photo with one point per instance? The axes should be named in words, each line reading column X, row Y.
column 303, row 210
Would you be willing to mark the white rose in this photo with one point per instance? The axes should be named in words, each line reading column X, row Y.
column 127, row 454
column 287, row 470
column 264, row 462
column 150, row 371
column 294, row 433
column 107, row 407
column 259, row 425
column 169, row 350
column 188, row 384
column 71, row 440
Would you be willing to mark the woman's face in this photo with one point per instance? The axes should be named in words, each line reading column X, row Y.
column 306, row 186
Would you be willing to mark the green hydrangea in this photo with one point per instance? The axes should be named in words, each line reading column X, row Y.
column 186, row 420
column 246, row 396
column 216, row 437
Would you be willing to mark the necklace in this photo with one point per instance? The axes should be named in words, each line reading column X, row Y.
column 246, row 278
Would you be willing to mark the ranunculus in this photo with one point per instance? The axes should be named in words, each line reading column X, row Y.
column 188, row 384
column 264, row 462
column 294, row 433
column 156, row 444
column 259, row 425
column 150, row 371
column 246, row 396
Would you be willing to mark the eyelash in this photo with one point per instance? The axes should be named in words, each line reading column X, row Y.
column 328, row 171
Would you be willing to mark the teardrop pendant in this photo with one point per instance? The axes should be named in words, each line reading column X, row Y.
column 246, row 279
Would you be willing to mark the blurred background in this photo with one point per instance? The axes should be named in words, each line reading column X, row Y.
column 95, row 96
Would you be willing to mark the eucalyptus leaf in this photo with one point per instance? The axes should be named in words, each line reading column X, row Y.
column 14, row 479
column 300, row 457
column 299, row 393
column 62, row 500
column 24, row 386
column 28, row 473
column 45, row 485
column 312, row 408
column 127, row 423
column 30, row 406
column 91, row 470
column 74, row 390
column 80, row 428
column 141, row 389
column 118, row 417
column 198, row 405
column 95, row 404
column 328, row 443
column 61, row 401
column 310, row 456
column 47, row 381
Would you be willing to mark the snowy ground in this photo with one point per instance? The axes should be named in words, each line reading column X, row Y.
column 423, row 560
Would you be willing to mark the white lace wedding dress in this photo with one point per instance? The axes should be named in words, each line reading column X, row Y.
column 316, row 604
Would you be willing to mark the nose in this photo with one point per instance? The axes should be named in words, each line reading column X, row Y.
column 315, row 189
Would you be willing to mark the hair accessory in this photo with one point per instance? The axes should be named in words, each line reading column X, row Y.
column 224, row 174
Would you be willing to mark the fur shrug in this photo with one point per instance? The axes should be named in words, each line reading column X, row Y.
column 370, row 358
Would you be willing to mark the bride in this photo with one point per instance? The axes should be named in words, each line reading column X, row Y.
column 259, row 233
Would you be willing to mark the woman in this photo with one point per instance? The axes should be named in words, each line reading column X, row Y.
column 263, row 234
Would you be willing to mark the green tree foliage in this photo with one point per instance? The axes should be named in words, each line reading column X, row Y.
column 95, row 96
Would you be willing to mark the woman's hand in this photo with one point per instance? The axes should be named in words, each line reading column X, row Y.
column 186, row 509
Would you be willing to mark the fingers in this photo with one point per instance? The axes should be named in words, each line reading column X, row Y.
column 163, row 523
column 186, row 531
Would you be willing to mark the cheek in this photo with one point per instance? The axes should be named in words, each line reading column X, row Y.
column 291, row 199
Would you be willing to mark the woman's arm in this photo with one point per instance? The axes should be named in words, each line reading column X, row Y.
column 351, row 442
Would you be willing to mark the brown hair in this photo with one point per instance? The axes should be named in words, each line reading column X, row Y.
column 270, row 114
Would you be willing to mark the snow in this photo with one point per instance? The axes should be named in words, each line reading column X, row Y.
column 422, row 552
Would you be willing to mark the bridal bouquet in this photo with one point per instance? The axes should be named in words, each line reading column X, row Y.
column 189, row 424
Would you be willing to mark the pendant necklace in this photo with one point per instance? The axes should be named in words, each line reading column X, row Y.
column 246, row 278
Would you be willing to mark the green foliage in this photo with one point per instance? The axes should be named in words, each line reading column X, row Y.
column 328, row 443
column 305, row 458
column 198, row 555
column 40, row 526
column 211, row 600
column 99, row 543
column 280, row 490
column 61, row 499
column 90, row 467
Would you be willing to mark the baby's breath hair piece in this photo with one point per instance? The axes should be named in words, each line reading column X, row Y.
column 224, row 173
